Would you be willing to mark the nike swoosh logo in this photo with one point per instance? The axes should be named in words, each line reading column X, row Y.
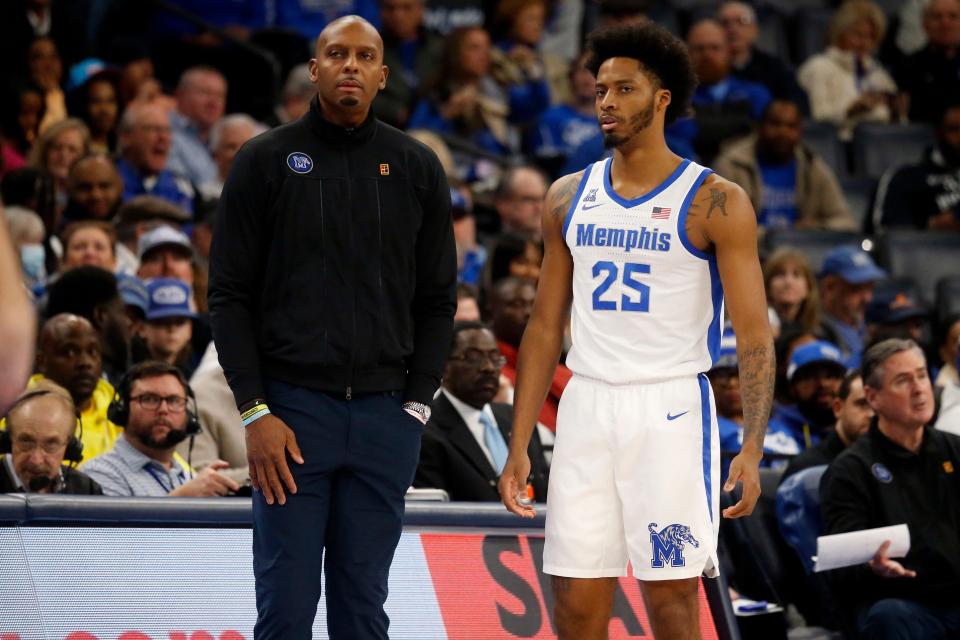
column 593, row 206
column 670, row 417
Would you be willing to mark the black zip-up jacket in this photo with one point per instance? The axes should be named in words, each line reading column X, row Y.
column 876, row 483
column 333, row 264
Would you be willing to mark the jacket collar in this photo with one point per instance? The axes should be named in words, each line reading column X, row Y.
column 335, row 134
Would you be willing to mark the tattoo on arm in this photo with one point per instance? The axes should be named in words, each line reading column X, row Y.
column 718, row 200
column 564, row 195
column 757, row 371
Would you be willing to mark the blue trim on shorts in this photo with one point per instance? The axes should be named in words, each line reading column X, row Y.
column 707, row 462
column 576, row 200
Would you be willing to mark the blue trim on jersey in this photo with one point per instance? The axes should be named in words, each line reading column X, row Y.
column 623, row 202
column 707, row 428
column 682, row 219
column 715, row 330
column 576, row 200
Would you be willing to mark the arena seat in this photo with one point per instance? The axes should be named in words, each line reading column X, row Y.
column 798, row 512
column 814, row 243
column 822, row 138
column 948, row 298
column 772, row 36
column 812, row 25
column 859, row 193
column 789, row 7
column 878, row 147
column 927, row 256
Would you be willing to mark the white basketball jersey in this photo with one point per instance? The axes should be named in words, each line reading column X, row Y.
column 647, row 304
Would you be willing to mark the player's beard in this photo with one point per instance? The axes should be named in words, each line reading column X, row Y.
column 349, row 101
column 637, row 123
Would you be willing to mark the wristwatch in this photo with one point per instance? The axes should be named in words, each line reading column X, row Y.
column 418, row 408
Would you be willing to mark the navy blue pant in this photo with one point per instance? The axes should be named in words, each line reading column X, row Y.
column 897, row 619
column 359, row 459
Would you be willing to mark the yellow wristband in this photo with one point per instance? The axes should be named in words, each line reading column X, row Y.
column 252, row 410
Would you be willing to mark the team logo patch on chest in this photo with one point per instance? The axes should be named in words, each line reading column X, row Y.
column 300, row 162
column 668, row 544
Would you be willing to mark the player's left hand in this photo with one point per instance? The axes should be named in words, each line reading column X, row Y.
column 745, row 469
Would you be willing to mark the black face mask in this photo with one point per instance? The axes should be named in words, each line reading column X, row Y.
column 818, row 415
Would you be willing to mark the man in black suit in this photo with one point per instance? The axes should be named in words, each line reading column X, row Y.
column 464, row 444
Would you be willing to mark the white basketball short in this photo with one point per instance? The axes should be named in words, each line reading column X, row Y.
column 635, row 476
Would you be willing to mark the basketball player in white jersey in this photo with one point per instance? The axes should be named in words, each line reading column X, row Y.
column 644, row 247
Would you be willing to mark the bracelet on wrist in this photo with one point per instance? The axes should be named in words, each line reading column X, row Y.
column 258, row 412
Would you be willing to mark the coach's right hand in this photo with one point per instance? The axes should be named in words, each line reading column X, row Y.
column 268, row 441
column 513, row 485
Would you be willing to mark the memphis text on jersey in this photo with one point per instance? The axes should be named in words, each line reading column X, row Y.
column 590, row 235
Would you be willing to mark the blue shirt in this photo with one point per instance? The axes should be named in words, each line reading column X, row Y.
column 559, row 131
column 734, row 89
column 189, row 155
column 778, row 209
column 125, row 471
column 165, row 184
column 309, row 17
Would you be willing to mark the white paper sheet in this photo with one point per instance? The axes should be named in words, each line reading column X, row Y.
column 857, row 547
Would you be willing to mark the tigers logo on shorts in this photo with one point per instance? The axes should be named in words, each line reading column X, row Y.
column 668, row 544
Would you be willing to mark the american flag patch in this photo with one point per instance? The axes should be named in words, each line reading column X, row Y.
column 660, row 213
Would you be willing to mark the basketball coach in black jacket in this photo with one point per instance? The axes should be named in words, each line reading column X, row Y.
column 332, row 295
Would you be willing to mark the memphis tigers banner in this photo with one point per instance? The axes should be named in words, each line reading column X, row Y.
column 99, row 583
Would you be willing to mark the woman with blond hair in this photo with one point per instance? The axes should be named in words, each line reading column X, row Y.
column 792, row 290
column 846, row 84
column 57, row 148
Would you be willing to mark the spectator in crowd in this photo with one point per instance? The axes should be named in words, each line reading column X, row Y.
column 91, row 293
column 26, row 233
column 135, row 299
column 167, row 331
column 17, row 323
column 309, row 17
column 411, row 53
column 33, row 189
column 519, row 200
column 925, row 195
column 788, row 183
column 847, row 280
column 45, row 70
column 226, row 137
column 221, row 438
column 900, row 471
column 564, row 127
column 846, row 84
column 23, row 110
column 725, row 106
column 814, row 374
column 144, row 149
column 56, row 151
column 154, row 412
column 134, row 219
column 948, row 419
column 513, row 255
column 510, row 304
column 295, row 97
column 724, row 378
column 68, row 354
column 89, row 242
column 926, row 74
column 853, row 415
column 949, row 350
column 22, row 21
column 166, row 252
column 201, row 99
column 96, row 101
column 94, row 188
column 739, row 20
column 468, row 305
column 464, row 99
column 464, row 444
column 617, row 12
column 894, row 312
column 519, row 64
column 38, row 440
column 792, row 290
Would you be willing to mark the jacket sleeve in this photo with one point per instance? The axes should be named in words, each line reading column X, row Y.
column 236, row 258
column 435, row 296
column 845, row 507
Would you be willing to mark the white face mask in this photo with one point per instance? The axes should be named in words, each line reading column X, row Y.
column 33, row 260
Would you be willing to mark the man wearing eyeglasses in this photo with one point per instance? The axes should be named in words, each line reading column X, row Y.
column 464, row 444
column 143, row 461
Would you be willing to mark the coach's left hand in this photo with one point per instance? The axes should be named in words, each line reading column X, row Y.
column 745, row 469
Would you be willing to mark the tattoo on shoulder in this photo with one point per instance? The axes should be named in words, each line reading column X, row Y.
column 564, row 194
column 717, row 200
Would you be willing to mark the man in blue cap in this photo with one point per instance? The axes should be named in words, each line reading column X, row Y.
column 815, row 373
column 847, row 280
column 168, row 329
column 895, row 313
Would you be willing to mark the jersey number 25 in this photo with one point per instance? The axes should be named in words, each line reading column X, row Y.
column 627, row 303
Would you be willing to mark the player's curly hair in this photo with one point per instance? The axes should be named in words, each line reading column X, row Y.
column 661, row 54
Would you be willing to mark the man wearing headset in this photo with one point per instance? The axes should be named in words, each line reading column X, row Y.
column 154, row 405
column 38, row 439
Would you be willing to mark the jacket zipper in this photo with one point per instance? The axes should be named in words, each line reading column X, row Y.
column 353, row 315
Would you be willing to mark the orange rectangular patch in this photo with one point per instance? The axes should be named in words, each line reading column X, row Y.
column 948, row 466
column 384, row 169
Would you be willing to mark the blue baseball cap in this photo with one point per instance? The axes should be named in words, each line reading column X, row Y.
column 853, row 264
column 85, row 70
column 133, row 292
column 815, row 352
column 168, row 298
column 890, row 306
column 164, row 236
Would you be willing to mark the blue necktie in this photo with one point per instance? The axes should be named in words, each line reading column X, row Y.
column 494, row 441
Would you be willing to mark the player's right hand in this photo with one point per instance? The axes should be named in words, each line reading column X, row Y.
column 268, row 441
column 513, row 485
